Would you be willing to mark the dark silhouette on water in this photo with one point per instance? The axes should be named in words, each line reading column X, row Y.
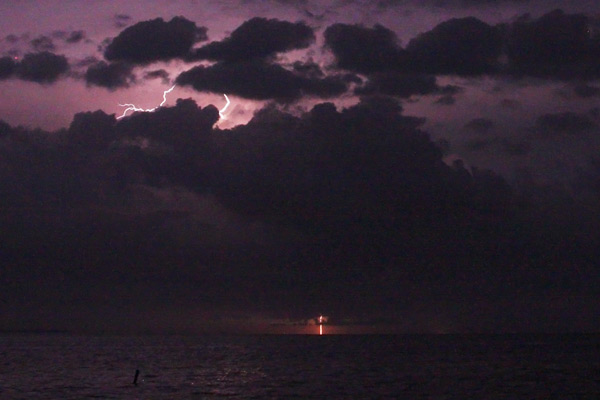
column 135, row 378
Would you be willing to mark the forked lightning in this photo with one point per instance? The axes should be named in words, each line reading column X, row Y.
column 134, row 108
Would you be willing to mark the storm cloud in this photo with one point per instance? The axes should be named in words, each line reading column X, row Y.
column 363, row 49
column 465, row 46
column 260, row 80
column 44, row 67
column 377, row 205
column 399, row 84
column 75, row 36
column 257, row 38
column 587, row 91
column 7, row 67
column 565, row 123
column 159, row 73
column 43, row 43
column 355, row 206
column 111, row 76
column 155, row 40
column 480, row 125
column 554, row 46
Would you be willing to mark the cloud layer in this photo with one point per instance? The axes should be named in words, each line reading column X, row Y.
column 353, row 211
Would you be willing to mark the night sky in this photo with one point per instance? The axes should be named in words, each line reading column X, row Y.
column 395, row 165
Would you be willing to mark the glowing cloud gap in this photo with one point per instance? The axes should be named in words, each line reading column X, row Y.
column 134, row 108
column 222, row 110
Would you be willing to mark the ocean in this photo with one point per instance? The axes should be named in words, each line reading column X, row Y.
column 56, row 366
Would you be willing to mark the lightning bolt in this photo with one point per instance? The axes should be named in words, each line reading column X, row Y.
column 222, row 110
column 134, row 108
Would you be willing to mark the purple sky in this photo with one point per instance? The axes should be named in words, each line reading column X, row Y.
column 515, row 95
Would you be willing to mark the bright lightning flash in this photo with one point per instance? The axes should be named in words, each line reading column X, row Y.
column 134, row 108
column 320, row 325
column 222, row 110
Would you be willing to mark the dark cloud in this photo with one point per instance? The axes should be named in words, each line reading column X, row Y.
column 155, row 40
column 446, row 3
column 363, row 49
column 186, row 126
column 42, row 43
column 91, row 159
column 509, row 146
column 399, row 84
column 480, row 144
column 588, row 177
column 44, row 67
column 446, row 100
column 258, row 38
column 104, row 44
column 368, row 188
column 480, row 125
column 75, row 37
column 11, row 38
column 7, row 67
column 5, row 128
column 514, row 147
column 111, row 76
column 586, row 91
column 556, row 45
column 330, row 165
column 477, row 2
column 92, row 130
column 357, row 214
column 565, row 123
column 464, row 46
column 159, row 73
column 309, row 69
column 122, row 20
column 59, row 34
column 510, row 104
column 260, row 80
column 86, row 62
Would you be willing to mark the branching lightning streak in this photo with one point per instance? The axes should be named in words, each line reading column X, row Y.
column 134, row 108
column 222, row 110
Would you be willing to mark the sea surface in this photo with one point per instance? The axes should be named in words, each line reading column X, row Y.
column 53, row 366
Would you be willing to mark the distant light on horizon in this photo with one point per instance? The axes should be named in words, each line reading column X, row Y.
column 321, row 320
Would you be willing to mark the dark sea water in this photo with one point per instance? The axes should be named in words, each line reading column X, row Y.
column 301, row 367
